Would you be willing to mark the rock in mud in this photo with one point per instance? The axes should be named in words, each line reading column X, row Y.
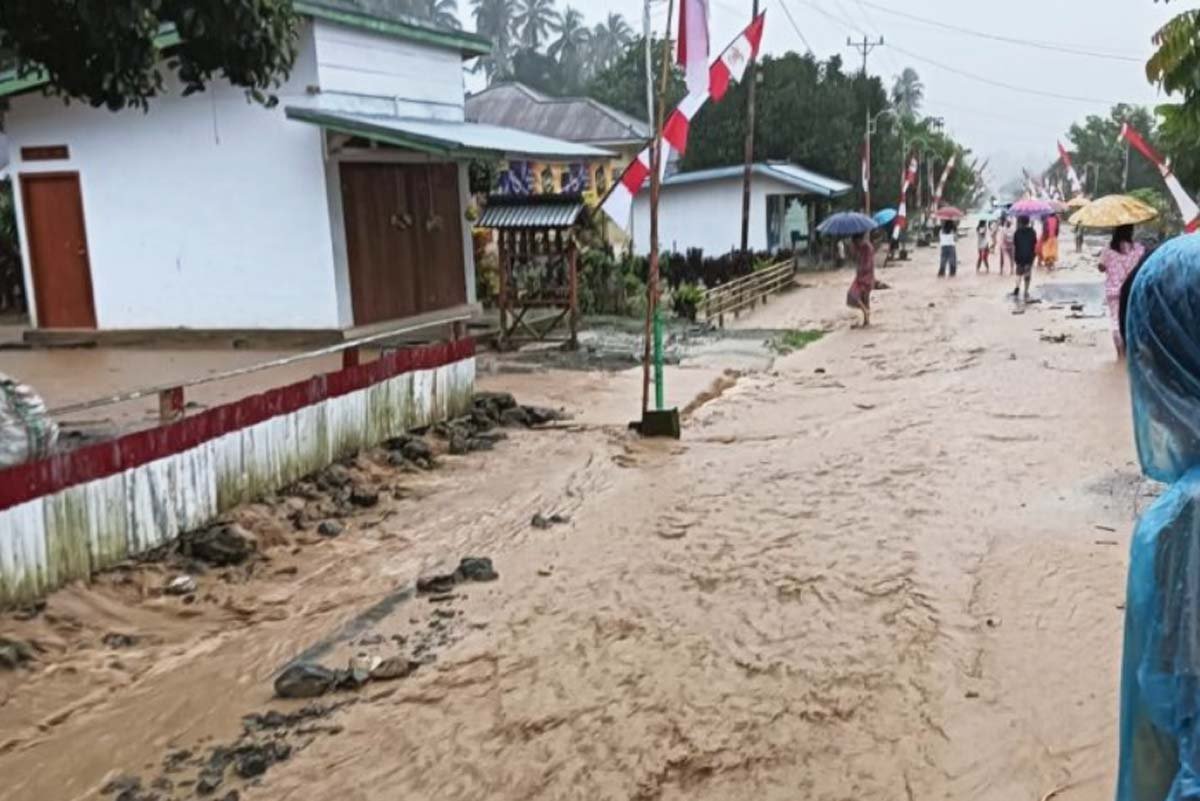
column 334, row 477
column 539, row 415
column 181, row 585
column 210, row 781
column 331, row 528
column 115, row 639
column 460, row 442
column 497, row 401
column 364, row 498
column 121, row 785
column 476, row 568
column 397, row 667
column 14, row 653
column 515, row 417
column 221, row 545
column 540, row 521
column 305, row 680
column 480, row 444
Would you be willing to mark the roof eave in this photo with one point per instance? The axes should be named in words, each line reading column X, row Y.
column 469, row 44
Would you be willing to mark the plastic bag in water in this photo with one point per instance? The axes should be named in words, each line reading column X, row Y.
column 26, row 430
column 1160, row 676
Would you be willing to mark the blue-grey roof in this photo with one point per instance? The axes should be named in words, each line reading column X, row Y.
column 532, row 212
column 793, row 175
column 576, row 119
column 446, row 138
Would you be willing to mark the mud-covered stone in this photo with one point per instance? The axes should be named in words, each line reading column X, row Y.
column 305, row 680
column 221, row 545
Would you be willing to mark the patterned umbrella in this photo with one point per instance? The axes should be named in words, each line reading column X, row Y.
column 1112, row 211
column 949, row 213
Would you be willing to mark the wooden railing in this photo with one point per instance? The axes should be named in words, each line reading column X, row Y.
column 746, row 292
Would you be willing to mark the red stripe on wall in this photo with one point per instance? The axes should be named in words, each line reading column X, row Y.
column 25, row 482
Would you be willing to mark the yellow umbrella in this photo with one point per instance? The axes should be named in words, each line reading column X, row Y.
column 1077, row 202
column 1113, row 210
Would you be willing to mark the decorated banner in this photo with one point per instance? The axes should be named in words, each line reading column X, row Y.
column 1187, row 206
column 941, row 187
column 517, row 179
column 910, row 176
column 1072, row 176
column 729, row 67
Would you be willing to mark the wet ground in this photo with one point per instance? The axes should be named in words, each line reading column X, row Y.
column 889, row 565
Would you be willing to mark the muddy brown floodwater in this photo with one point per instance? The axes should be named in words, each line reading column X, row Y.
column 888, row 567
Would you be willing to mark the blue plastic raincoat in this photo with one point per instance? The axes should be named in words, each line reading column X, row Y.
column 1160, row 677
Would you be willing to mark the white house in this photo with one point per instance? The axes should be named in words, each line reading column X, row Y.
column 703, row 209
column 341, row 207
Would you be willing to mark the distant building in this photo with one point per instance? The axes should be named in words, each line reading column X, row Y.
column 703, row 209
column 343, row 206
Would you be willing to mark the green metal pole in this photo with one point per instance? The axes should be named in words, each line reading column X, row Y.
column 658, row 356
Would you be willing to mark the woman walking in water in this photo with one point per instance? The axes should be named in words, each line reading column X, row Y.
column 985, row 246
column 859, row 296
column 1116, row 262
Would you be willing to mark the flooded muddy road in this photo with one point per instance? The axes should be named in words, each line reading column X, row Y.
column 888, row 567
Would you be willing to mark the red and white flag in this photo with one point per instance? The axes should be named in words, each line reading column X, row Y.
column 1187, row 206
column 693, row 44
column 1076, row 186
column 729, row 67
column 910, row 176
column 941, row 187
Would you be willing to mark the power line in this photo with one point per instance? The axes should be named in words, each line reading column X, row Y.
column 788, row 12
column 1058, row 47
column 1002, row 84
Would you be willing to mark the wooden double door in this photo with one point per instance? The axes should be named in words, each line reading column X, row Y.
column 404, row 239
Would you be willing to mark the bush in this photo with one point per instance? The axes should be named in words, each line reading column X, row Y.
column 686, row 300
column 12, row 281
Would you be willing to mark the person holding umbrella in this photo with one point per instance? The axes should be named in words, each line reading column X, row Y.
column 856, row 226
column 1120, row 213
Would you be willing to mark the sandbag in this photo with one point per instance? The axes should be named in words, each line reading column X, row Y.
column 26, row 430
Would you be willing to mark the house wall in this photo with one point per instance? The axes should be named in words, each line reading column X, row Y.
column 208, row 211
column 706, row 215
column 364, row 72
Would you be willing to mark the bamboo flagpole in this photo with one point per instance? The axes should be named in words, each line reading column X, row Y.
column 653, row 322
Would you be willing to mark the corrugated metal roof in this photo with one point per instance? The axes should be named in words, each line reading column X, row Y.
column 791, row 174
column 575, row 119
column 531, row 213
column 446, row 138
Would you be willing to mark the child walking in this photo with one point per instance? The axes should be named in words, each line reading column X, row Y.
column 985, row 247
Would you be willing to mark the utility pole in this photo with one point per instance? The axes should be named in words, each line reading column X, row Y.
column 865, row 47
column 1125, row 176
column 649, row 31
column 752, row 78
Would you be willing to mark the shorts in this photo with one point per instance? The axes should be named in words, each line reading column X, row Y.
column 1024, row 269
column 858, row 296
column 984, row 252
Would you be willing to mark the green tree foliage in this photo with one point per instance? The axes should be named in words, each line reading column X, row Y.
column 623, row 84
column 1096, row 141
column 1175, row 68
column 103, row 51
column 495, row 20
column 442, row 13
column 535, row 21
column 908, row 93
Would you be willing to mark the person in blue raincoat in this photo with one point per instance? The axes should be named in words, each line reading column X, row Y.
column 1160, row 675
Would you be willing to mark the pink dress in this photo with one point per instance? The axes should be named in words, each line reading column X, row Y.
column 1117, row 267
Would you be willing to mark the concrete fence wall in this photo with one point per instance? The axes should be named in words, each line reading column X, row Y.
column 68, row 516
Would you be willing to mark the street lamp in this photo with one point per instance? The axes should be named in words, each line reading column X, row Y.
column 1095, row 168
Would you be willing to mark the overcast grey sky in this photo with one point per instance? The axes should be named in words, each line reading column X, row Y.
column 1012, row 128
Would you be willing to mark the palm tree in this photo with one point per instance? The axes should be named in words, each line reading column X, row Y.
column 573, row 37
column 908, row 93
column 608, row 40
column 442, row 13
column 535, row 20
column 494, row 19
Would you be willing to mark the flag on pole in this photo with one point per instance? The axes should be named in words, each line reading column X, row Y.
column 693, row 44
column 910, row 175
column 941, row 187
column 729, row 67
column 1076, row 186
column 1187, row 206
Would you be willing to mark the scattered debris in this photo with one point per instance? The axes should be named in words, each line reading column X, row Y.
column 305, row 680
column 117, row 640
column 14, row 653
column 972, row 694
column 31, row 611
column 541, row 521
column 220, row 545
column 331, row 529
column 1107, row 542
column 1106, row 528
column 469, row 569
column 397, row 667
column 181, row 585
column 364, row 498
column 1056, row 339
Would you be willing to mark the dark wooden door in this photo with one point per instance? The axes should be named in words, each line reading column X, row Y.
column 58, row 252
column 403, row 239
